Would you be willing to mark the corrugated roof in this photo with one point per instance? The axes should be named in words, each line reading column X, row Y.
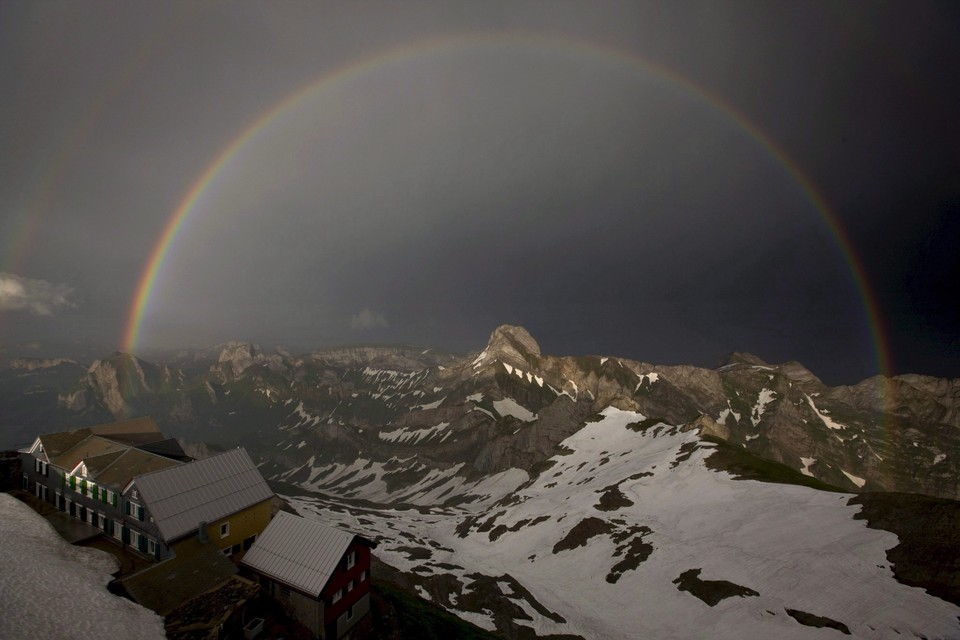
column 142, row 425
column 132, row 462
column 299, row 552
column 89, row 447
column 135, row 431
column 56, row 443
column 96, row 464
column 181, row 497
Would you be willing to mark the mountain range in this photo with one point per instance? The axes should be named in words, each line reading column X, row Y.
column 588, row 496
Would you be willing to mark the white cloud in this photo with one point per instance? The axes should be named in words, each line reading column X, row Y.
column 38, row 297
column 367, row 319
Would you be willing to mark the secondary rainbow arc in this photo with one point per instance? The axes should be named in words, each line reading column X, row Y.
column 153, row 269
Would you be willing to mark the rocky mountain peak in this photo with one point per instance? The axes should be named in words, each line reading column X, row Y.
column 239, row 356
column 512, row 341
column 741, row 357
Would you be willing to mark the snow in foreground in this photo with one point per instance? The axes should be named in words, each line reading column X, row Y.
column 52, row 589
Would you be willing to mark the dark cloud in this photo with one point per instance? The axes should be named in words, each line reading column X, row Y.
column 608, row 207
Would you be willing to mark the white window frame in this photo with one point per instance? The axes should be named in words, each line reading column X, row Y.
column 224, row 529
column 134, row 539
column 151, row 547
column 118, row 529
column 227, row 551
column 363, row 575
column 349, row 612
column 351, row 559
column 337, row 596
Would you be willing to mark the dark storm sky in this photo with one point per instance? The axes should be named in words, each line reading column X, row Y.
column 516, row 172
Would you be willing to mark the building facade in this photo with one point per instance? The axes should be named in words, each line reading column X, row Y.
column 321, row 575
column 110, row 477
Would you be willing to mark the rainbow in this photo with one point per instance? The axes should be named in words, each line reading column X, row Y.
column 181, row 215
column 16, row 250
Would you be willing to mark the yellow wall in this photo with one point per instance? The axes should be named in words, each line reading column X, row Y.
column 243, row 524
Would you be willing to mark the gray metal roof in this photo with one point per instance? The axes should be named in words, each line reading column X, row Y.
column 299, row 552
column 181, row 497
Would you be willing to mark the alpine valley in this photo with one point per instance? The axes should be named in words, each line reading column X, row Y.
column 590, row 497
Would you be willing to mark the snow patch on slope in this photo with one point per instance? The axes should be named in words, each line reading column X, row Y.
column 55, row 590
column 510, row 407
column 827, row 420
column 766, row 397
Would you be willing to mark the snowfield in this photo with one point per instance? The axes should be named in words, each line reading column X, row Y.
column 52, row 589
column 596, row 544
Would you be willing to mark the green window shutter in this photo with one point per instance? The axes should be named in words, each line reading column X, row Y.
column 83, row 487
column 114, row 500
column 73, row 482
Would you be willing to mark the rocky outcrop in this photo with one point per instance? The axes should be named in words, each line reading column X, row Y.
column 105, row 382
column 32, row 364
column 418, row 411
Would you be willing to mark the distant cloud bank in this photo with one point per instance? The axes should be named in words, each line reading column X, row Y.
column 37, row 297
column 367, row 319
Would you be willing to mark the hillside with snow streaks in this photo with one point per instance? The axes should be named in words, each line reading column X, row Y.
column 633, row 502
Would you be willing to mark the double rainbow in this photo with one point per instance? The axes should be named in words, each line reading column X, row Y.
column 181, row 215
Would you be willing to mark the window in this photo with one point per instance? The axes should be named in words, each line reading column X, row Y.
column 91, row 517
column 249, row 542
column 102, row 521
column 36, row 465
column 350, row 586
column 135, row 495
column 26, row 482
column 351, row 559
column 151, row 547
column 224, row 529
column 338, row 595
column 134, row 538
column 44, row 469
column 109, row 496
column 350, row 612
column 226, row 551
column 363, row 575
column 118, row 531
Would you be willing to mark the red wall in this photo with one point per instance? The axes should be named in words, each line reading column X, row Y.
column 342, row 576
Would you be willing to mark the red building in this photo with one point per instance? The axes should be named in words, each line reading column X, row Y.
column 320, row 574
